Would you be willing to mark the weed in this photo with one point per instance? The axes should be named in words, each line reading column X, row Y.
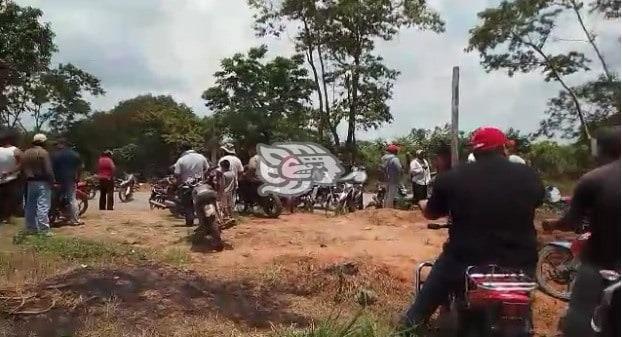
column 359, row 326
column 175, row 256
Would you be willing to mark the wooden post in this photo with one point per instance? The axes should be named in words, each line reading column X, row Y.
column 455, row 80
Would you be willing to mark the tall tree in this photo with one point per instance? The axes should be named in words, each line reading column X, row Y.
column 338, row 38
column 26, row 48
column 255, row 101
column 516, row 37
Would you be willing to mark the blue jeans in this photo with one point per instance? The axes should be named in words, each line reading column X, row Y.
column 38, row 200
column 67, row 196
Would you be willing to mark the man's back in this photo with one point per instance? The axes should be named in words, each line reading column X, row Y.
column 66, row 164
column 598, row 194
column 492, row 204
column 236, row 164
column 392, row 167
column 36, row 164
column 191, row 165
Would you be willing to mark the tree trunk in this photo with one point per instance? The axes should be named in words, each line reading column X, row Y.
column 322, row 120
column 350, row 140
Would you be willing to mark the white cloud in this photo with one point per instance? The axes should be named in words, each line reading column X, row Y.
column 174, row 47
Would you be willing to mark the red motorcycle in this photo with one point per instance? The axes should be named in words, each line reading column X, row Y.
column 558, row 262
column 58, row 205
column 495, row 301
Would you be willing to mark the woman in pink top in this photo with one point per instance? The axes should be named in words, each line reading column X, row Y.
column 105, row 173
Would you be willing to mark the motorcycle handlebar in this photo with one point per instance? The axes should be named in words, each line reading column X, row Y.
column 437, row 226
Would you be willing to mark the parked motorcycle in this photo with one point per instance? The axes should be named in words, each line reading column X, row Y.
column 59, row 205
column 248, row 198
column 402, row 201
column 495, row 301
column 126, row 187
column 606, row 318
column 92, row 185
column 208, row 211
column 558, row 263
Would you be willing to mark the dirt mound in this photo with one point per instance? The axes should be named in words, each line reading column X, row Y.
column 143, row 294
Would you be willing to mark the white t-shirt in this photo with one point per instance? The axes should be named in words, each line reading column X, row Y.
column 420, row 171
column 235, row 164
column 191, row 165
column 8, row 163
column 516, row 159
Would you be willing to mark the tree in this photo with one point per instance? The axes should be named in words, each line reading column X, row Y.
column 338, row 38
column 26, row 48
column 57, row 97
column 144, row 133
column 53, row 97
column 261, row 102
column 516, row 37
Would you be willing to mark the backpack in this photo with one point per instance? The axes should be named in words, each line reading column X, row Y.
column 382, row 169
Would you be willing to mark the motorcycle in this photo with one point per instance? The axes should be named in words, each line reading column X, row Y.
column 92, row 184
column 495, row 301
column 317, row 196
column 401, row 200
column 248, row 197
column 558, row 263
column 606, row 318
column 58, row 204
column 207, row 209
column 554, row 200
column 126, row 187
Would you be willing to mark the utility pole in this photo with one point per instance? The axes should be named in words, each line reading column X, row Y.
column 455, row 80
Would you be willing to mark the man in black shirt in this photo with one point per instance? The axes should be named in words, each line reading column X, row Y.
column 492, row 204
column 597, row 198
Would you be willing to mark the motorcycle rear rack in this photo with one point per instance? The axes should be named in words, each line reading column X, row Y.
column 499, row 279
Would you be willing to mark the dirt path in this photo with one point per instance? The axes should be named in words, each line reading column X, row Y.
column 385, row 244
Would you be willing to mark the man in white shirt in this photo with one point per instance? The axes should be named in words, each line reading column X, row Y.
column 234, row 162
column 190, row 165
column 420, row 176
column 9, row 172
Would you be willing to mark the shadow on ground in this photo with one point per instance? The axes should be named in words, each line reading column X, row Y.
column 144, row 293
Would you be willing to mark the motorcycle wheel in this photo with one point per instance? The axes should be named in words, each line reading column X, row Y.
column 550, row 279
column 125, row 194
column 92, row 193
column 83, row 205
column 272, row 206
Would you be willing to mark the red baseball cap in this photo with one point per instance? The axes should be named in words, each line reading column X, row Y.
column 392, row 148
column 487, row 138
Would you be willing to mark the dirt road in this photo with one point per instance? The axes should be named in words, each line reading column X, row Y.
column 291, row 270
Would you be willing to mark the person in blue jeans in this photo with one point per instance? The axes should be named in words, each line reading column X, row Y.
column 67, row 165
column 37, row 170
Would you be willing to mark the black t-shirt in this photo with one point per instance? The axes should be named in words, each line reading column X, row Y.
column 492, row 204
column 597, row 198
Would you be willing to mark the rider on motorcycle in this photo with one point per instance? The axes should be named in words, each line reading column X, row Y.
column 190, row 165
column 492, row 204
column 597, row 198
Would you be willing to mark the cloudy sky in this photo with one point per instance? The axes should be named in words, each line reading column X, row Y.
column 174, row 47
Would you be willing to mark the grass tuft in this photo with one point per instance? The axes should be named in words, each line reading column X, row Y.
column 360, row 325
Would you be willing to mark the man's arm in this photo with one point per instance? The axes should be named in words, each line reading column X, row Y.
column 579, row 206
column 438, row 204
column 47, row 166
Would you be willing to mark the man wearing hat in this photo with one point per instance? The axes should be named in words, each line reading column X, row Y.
column 37, row 169
column 492, row 204
column 392, row 170
column 235, row 166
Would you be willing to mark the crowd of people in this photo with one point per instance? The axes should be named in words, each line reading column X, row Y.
column 32, row 180
column 490, row 201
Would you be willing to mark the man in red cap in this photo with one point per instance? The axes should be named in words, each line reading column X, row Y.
column 492, row 203
column 392, row 170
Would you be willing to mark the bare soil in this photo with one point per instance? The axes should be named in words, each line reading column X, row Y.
column 274, row 272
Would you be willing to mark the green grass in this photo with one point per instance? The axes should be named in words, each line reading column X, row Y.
column 361, row 325
column 77, row 249
column 175, row 256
